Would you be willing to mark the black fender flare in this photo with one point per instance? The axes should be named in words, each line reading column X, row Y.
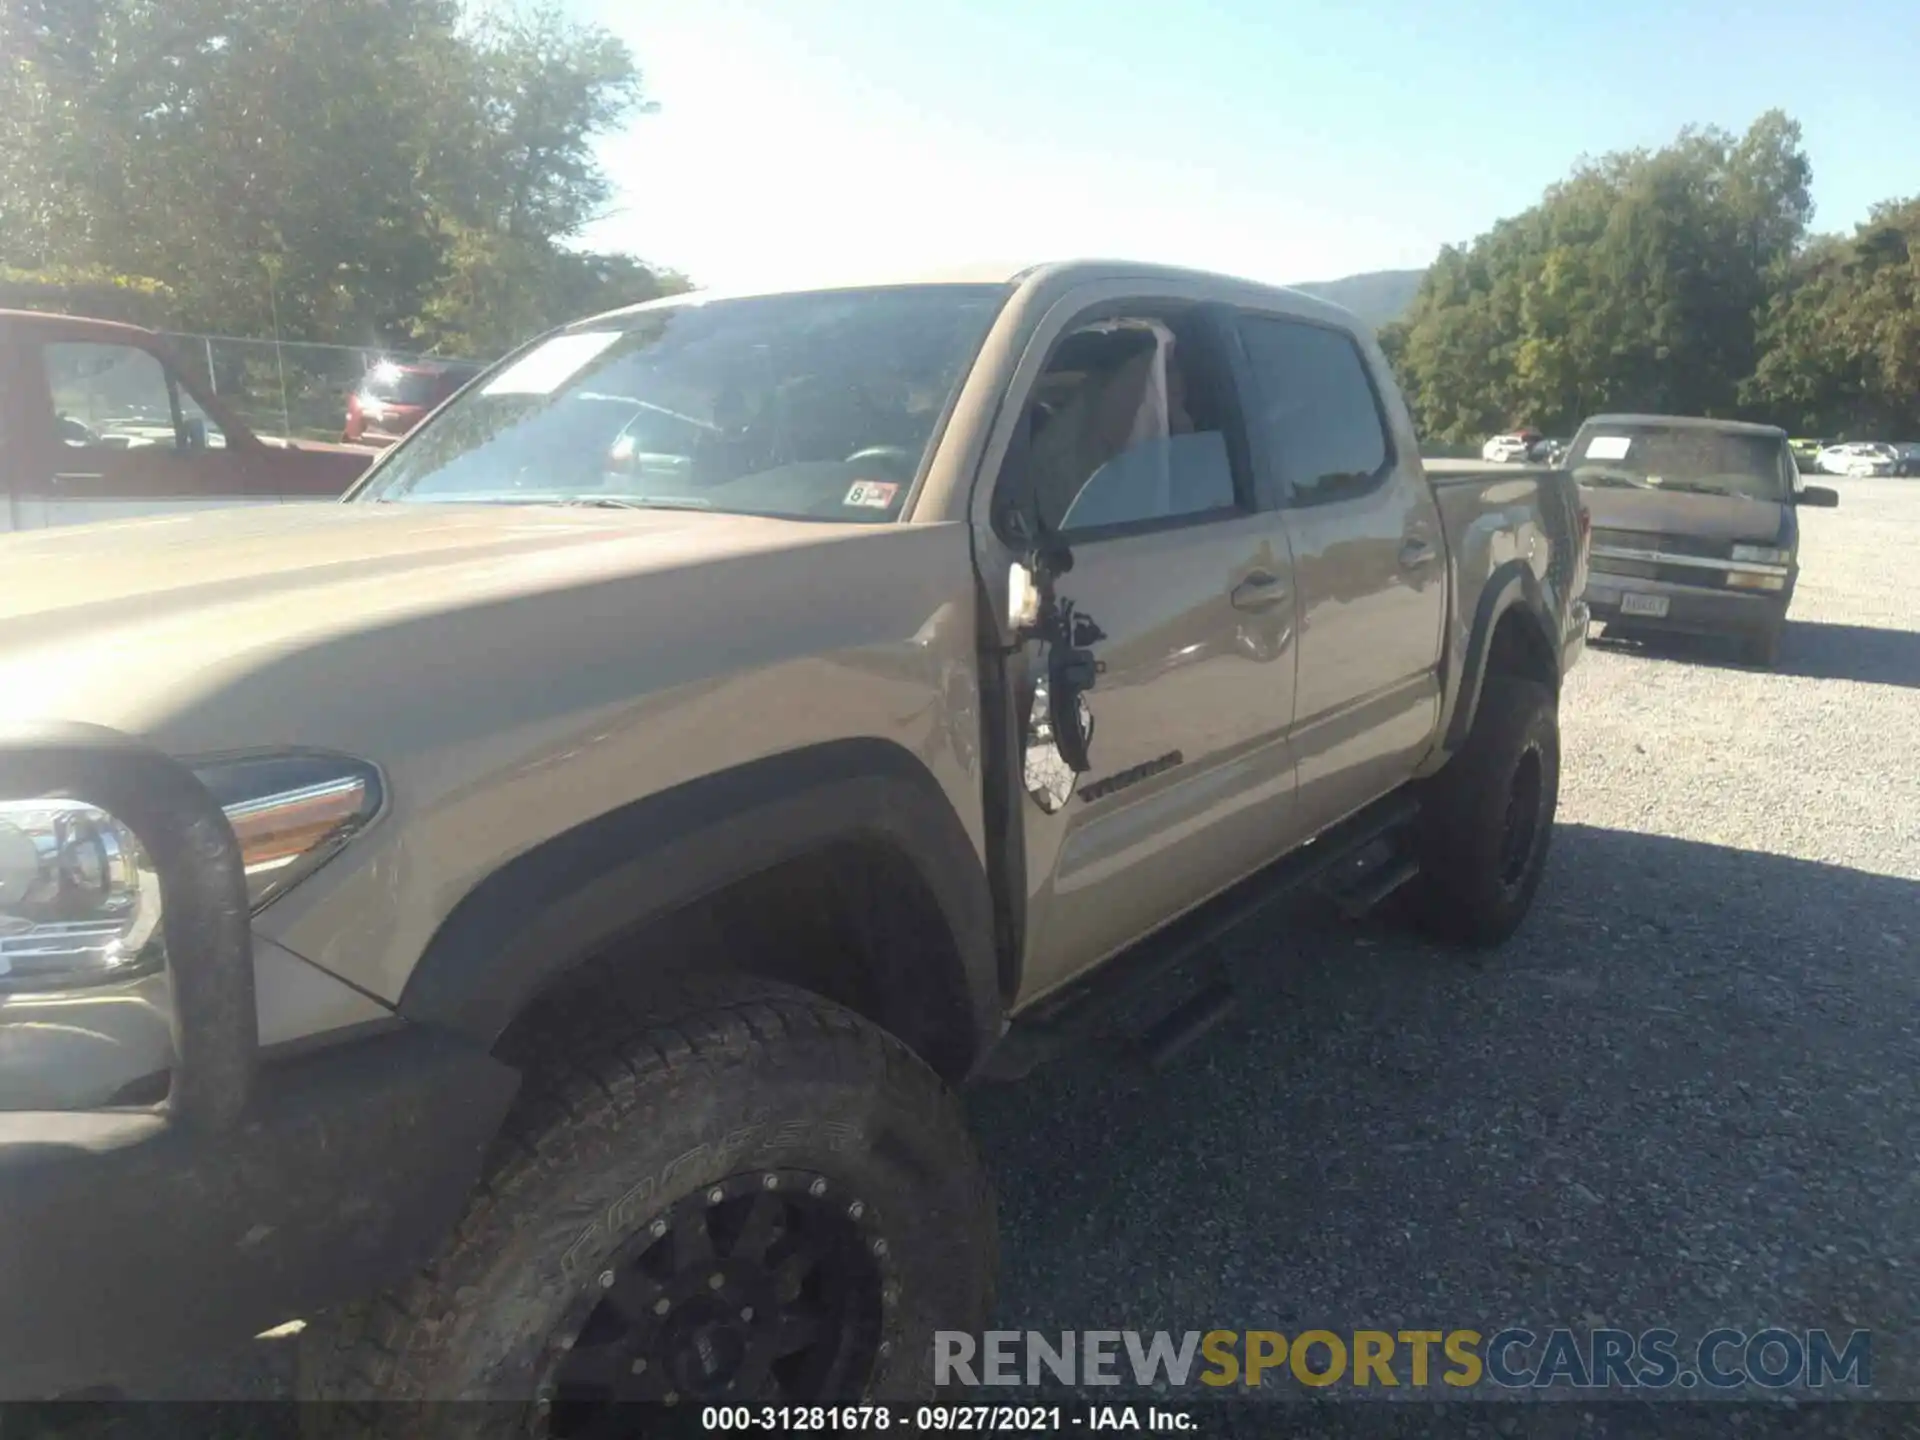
column 1511, row 586
column 567, row 898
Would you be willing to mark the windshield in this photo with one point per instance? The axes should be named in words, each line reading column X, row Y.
column 1685, row 458
column 817, row 405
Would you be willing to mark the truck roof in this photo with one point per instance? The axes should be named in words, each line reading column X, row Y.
column 1687, row 422
column 72, row 324
column 1083, row 271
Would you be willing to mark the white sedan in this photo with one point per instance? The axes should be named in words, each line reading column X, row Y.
column 1510, row 449
column 1858, row 458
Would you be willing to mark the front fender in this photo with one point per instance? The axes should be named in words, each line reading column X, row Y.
column 571, row 896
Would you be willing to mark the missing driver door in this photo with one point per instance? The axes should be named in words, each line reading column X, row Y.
column 1178, row 608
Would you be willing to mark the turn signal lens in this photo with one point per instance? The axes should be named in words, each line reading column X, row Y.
column 291, row 813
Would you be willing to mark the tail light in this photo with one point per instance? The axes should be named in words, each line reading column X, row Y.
column 1583, row 547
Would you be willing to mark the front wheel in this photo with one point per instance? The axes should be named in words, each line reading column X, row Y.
column 1487, row 818
column 765, row 1202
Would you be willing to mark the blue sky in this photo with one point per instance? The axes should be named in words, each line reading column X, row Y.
column 1283, row 141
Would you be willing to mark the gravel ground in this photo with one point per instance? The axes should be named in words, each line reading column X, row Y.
column 1682, row 1097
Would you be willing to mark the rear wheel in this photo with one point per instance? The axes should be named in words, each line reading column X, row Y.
column 768, row 1201
column 1486, row 819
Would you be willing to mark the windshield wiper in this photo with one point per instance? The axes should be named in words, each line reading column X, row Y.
column 632, row 502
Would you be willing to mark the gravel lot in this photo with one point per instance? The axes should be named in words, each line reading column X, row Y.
column 1683, row 1096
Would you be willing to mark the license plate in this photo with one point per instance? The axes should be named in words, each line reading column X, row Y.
column 1655, row 605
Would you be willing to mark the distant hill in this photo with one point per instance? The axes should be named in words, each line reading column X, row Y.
column 1376, row 297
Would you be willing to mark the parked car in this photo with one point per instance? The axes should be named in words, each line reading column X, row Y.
column 1806, row 453
column 393, row 398
column 1513, row 448
column 101, row 421
column 664, row 843
column 1859, row 458
column 1695, row 526
column 1909, row 456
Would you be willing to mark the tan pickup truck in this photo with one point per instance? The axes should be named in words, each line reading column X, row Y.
column 530, row 920
column 100, row 421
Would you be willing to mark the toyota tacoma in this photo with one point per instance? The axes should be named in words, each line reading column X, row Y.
column 530, row 921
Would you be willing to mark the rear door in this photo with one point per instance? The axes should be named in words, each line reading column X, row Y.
column 1369, row 560
column 113, row 433
column 1181, row 593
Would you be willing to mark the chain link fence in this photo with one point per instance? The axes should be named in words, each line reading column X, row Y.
column 287, row 388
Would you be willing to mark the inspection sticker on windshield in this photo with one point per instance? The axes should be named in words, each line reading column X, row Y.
column 872, row 494
column 1608, row 447
column 542, row 370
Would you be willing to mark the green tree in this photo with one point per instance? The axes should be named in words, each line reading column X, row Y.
column 1636, row 283
column 348, row 170
column 1841, row 341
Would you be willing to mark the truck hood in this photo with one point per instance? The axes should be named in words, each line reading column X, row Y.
column 278, row 624
column 1672, row 512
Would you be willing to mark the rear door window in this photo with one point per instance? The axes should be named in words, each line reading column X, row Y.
column 403, row 387
column 1315, row 409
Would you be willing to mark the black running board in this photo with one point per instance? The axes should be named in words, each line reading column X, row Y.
column 1188, row 1023
column 1070, row 1016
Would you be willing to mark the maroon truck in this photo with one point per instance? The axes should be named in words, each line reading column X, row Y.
column 100, row 421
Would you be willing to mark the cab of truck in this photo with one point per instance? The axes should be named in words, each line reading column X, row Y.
column 1695, row 526
column 101, row 421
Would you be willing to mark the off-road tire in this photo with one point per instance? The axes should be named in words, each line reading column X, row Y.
column 624, row 1114
column 1472, row 890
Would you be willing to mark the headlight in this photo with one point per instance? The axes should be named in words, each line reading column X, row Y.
column 1762, row 554
column 291, row 812
column 79, row 900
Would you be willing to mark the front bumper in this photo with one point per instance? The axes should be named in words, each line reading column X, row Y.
column 1691, row 610
column 128, row 1243
column 137, row 1236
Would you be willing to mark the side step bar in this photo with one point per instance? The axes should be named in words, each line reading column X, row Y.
column 1070, row 1016
column 1173, row 1034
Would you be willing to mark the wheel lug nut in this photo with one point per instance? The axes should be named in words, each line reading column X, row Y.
column 662, row 1305
column 879, row 1247
column 606, row 1279
column 856, row 1209
column 817, row 1188
column 657, row 1229
column 640, row 1366
column 772, row 1182
column 716, row 1195
column 716, row 1280
column 886, row 1348
column 746, row 1312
